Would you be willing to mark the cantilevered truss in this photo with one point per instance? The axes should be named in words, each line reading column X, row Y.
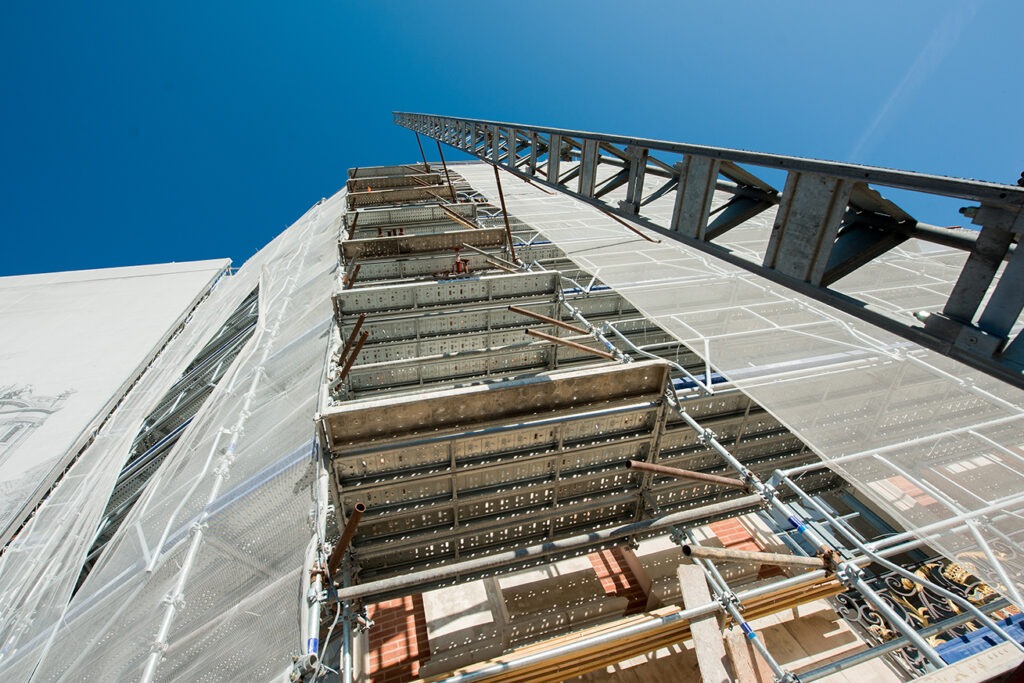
column 830, row 219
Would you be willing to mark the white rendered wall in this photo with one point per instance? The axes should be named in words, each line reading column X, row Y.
column 69, row 345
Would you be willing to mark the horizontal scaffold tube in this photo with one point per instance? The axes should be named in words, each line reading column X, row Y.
column 571, row 344
column 687, row 474
column 580, row 542
column 778, row 559
column 546, row 319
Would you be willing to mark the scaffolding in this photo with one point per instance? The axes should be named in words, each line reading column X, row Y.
column 411, row 446
column 448, row 379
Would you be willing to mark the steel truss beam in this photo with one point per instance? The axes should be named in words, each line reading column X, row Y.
column 830, row 220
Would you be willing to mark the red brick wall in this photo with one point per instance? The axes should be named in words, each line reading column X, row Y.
column 398, row 640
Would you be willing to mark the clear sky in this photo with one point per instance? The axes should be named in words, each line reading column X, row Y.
column 144, row 132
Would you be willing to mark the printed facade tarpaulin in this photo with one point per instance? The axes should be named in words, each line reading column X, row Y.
column 72, row 343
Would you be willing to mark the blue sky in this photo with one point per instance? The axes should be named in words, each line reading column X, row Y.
column 144, row 132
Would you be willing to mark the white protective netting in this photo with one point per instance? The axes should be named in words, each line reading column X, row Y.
column 203, row 578
column 926, row 438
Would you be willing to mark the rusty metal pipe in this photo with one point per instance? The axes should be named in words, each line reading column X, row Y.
column 435, row 195
column 484, row 253
column 504, row 213
column 351, row 338
column 447, row 175
column 570, row 344
column 350, row 279
column 425, row 185
column 499, row 266
column 539, row 187
column 546, row 319
column 352, row 228
column 459, row 219
column 352, row 358
column 686, row 474
column 726, row 555
column 334, row 561
column 626, row 225
column 419, row 181
column 422, row 155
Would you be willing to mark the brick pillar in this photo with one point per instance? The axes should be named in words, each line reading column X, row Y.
column 617, row 578
column 735, row 536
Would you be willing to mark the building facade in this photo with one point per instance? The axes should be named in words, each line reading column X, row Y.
column 420, row 433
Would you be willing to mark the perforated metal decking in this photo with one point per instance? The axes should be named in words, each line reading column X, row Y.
column 461, row 471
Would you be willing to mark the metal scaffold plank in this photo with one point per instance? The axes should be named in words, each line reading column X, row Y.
column 457, row 357
column 396, row 195
column 392, row 182
column 351, row 424
column 385, row 171
column 402, row 245
column 396, row 216
column 394, row 326
column 439, row 295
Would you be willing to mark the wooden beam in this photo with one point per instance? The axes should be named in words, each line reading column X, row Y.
column 747, row 663
column 705, row 631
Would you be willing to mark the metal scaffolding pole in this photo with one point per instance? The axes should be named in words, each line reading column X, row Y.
column 844, row 529
column 854, row 577
column 894, row 644
column 704, row 386
column 849, row 573
column 346, row 631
